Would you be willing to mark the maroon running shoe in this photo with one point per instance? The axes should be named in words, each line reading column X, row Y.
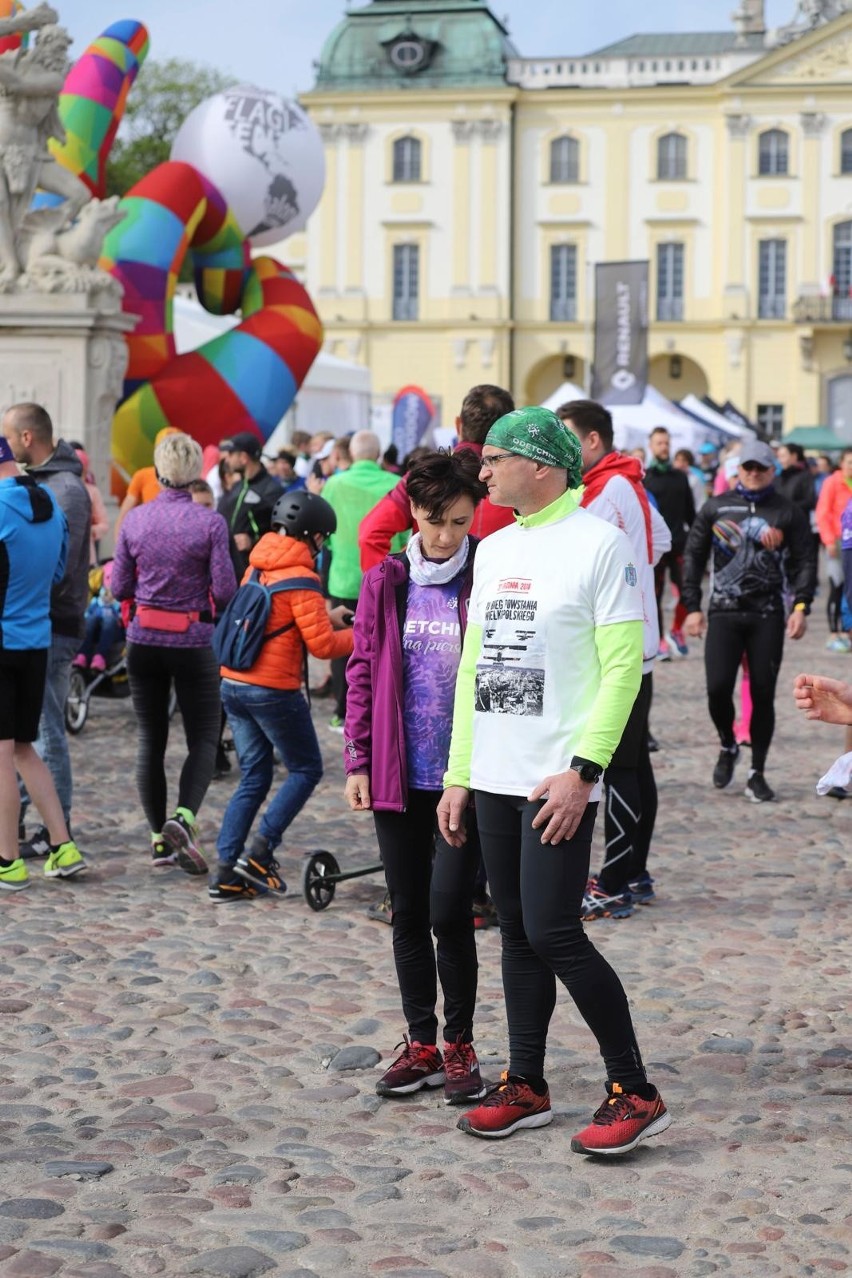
column 419, row 1065
column 511, row 1105
column 621, row 1122
column 463, row 1079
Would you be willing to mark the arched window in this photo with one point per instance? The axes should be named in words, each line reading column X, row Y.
column 671, row 157
column 565, row 160
column 406, row 160
column 773, row 153
column 846, row 151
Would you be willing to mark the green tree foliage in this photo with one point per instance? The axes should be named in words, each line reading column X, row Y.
column 159, row 102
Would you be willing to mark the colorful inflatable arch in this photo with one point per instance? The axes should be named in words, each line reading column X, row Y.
column 244, row 379
column 92, row 101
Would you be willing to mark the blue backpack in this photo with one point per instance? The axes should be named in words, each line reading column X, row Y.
column 241, row 630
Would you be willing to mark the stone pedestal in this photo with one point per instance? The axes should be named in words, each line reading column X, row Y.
column 67, row 351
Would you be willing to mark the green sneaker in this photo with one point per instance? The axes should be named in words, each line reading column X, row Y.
column 64, row 862
column 14, row 877
column 180, row 834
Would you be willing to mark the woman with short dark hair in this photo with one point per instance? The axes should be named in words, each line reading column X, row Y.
column 409, row 627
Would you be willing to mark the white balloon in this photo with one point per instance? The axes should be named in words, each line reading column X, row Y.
column 264, row 154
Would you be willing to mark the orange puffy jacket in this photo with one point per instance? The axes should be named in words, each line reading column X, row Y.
column 833, row 500
column 280, row 664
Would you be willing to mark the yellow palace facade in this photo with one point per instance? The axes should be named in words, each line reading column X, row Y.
column 470, row 191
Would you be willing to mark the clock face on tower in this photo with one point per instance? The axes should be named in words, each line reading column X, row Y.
column 409, row 53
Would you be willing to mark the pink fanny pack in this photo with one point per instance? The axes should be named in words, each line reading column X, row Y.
column 176, row 623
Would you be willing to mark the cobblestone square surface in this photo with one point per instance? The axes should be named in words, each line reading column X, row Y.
column 173, row 1101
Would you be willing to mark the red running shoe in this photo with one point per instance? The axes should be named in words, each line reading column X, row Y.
column 419, row 1065
column 463, row 1079
column 512, row 1105
column 621, row 1122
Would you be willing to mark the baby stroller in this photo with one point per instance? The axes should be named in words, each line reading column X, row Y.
column 101, row 680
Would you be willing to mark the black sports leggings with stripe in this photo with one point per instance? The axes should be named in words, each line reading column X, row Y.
column 760, row 637
column 538, row 891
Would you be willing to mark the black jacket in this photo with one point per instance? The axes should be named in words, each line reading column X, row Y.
column 247, row 508
column 796, row 483
column 744, row 575
column 62, row 473
column 673, row 495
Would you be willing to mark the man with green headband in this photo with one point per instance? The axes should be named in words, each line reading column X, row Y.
column 551, row 665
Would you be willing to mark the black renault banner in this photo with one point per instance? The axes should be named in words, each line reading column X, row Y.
column 621, row 332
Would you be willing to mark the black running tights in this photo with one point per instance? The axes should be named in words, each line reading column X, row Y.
column 538, row 891
column 760, row 637
column 195, row 671
column 431, row 886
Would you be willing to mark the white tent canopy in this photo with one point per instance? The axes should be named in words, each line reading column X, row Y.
column 730, row 429
column 633, row 423
column 335, row 395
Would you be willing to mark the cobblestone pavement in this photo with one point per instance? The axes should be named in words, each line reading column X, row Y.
column 189, row 1089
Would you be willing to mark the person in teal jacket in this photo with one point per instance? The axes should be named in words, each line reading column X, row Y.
column 352, row 494
column 551, row 665
column 33, row 549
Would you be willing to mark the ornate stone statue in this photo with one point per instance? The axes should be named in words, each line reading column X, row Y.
column 35, row 251
column 810, row 14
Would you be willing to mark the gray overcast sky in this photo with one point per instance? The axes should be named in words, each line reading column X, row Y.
column 273, row 43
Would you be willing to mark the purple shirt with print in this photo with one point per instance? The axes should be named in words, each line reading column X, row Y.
column 173, row 554
column 431, row 649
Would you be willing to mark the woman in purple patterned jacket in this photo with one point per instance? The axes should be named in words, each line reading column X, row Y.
column 409, row 626
column 172, row 559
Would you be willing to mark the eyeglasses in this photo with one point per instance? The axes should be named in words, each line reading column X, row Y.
column 755, row 467
column 494, row 460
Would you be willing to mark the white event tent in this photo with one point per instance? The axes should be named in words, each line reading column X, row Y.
column 633, row 423
column 335, row 395
column 729, row 429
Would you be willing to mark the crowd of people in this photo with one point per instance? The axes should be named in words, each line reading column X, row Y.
column 490, row 619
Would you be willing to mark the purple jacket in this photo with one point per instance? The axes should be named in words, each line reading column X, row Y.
column 173, row 554
column 374, row 732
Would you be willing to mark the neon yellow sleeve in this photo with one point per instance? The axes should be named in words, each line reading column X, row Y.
column 619, row 649
column 461, row 745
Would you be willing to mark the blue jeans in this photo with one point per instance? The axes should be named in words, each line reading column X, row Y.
column 104, row 632
column 52, row 743
column 262, row 721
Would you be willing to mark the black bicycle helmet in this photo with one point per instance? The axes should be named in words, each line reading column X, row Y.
column 303, row 514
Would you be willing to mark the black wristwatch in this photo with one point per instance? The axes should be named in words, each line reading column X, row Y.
column 589, row 772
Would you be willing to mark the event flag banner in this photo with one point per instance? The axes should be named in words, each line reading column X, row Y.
column 413, row 414
column 621, row 332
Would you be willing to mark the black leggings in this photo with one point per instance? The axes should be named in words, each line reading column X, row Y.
column 437, row 893
column 630, row 793
column 195, row 671
column 730, row 636
column 538, row 891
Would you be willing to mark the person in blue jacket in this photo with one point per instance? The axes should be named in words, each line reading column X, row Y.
column 33, row 550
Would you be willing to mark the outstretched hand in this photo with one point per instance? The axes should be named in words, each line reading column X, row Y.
column 828, row 700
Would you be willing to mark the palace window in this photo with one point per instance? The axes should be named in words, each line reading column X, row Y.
column 846, row 151
column 671, row 157
column 669, row 282
column 563, row 282
column 773, row 153
column 564, row 160
column 406, row 281
column 842, row 273
column 770, row 420
column 772, row 279
column 406, row 160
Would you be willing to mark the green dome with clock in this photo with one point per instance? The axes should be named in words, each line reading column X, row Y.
column 417, row 44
